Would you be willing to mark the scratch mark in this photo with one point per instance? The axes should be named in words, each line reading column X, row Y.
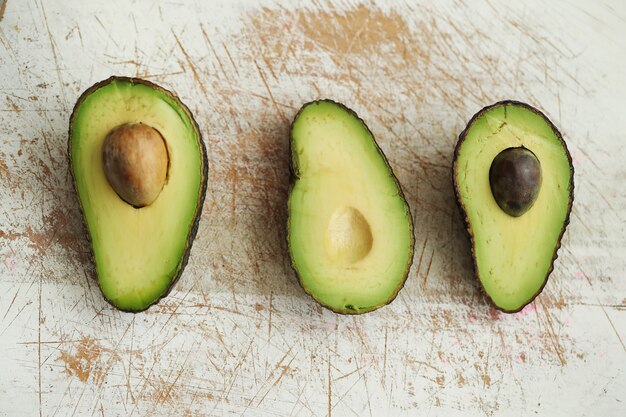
column 285, row 368
column 605, row 313
column 56, row 342
column 13, row 105
column 419, row 263
column 430, row 262
column 268, row 64
column 357, row 329
column 269, row 324
column 363, row 375
column 613, row 326
column 39, row 348
column 385, row 357
column 346, row 375
column 206, row 37
column 54, row 54
column 192, row 66
column 553, row 337
column 422, row 363
column 340, row 400
column 267, row 87
column 106, row 31
column 230, row 58
column 11, row 305
column 159, row 75
column 235, row 371
column 330, row 389
column 180, row 372
column 130, row 363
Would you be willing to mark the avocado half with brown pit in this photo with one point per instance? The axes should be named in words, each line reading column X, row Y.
column 350, row 231
column 140, row 172
column 514, row 183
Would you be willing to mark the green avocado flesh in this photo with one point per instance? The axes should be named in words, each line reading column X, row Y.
column 350, row 230
column 513, row 256
column 138, row 253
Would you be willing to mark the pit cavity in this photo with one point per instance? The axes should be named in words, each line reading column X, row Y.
column 348, row 236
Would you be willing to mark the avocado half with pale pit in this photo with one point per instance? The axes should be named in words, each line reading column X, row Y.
column 514, row 182
column 350, row 231
column 140, row 169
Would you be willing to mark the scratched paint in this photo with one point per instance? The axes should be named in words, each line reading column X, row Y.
column 237, row 336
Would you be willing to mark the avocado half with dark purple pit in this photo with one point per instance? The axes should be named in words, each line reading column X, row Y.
column 140, row 172
column 514, row 183
column 350, row 231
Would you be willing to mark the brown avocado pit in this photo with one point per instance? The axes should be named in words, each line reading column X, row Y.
column 135, row 163
column 515, row 179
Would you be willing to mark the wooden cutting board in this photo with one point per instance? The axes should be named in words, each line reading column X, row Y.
column 238, row 336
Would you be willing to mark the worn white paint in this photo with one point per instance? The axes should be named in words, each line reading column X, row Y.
column 238, row 336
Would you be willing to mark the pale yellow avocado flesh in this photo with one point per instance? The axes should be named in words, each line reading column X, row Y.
column 513, row 255
column 138, row 252
column 350, row 229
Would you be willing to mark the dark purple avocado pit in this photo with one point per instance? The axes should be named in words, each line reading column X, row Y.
column 515, row 179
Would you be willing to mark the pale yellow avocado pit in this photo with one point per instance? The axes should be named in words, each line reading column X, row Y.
column 348, row 237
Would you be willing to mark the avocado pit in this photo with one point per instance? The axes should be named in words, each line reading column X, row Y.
column 348, row 236
column 135, row 162
column 515, row 180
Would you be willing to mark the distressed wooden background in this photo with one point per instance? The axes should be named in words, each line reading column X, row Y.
column 238, row 336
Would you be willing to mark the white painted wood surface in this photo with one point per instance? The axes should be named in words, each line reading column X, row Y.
column 238, row 336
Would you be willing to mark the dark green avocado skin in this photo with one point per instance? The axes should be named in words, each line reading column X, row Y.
column 293, row 176
column 468, row 226
column 205, row 175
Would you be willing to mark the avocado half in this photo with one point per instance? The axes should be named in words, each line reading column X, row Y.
column 138, row 252
column 513, row 249
column 350, row 230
